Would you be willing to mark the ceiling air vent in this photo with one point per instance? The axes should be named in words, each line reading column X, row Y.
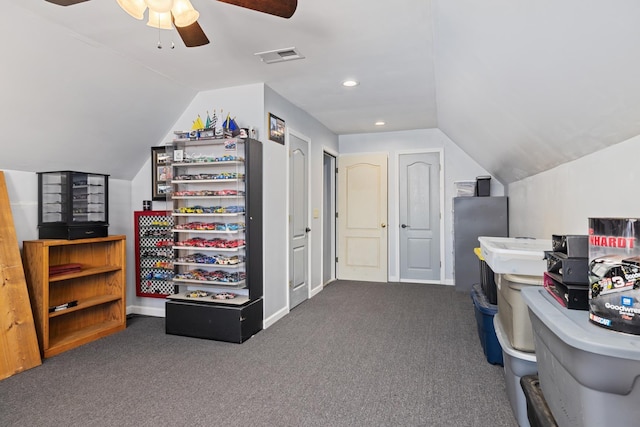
column 279, row 55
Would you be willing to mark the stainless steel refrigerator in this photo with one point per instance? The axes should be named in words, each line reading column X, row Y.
column 473, row 217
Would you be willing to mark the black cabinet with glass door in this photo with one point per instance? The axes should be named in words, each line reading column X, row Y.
column 72, row 205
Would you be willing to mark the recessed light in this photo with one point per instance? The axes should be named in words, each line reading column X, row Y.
column 380, row 123
column 350, row 83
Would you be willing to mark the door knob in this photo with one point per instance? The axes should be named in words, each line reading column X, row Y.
column 404, row 226
column 306, row 230
column 383, row 225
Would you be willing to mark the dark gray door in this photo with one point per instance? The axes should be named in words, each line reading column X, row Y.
column 474, row 217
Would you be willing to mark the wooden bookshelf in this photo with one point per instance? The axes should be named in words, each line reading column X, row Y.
column 98, row 289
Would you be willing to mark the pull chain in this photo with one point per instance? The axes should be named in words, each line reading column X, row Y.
column 173, row 45
column 159, row 41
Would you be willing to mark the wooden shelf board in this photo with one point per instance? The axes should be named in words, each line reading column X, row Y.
column 85, row 272
column 83, row 336
column 86, row 303
column 65, row 242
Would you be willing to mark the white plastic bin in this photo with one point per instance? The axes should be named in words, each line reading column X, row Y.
column 465, row 188
column 513, row 311
column 589, row 376
column 512, row 255
column 517, row 364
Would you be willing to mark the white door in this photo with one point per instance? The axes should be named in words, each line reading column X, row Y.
column 298, row 221
column 419, row 205
column 362, row 217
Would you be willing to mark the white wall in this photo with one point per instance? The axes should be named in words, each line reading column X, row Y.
column 276, row 199
column 23, row 197
column 250, row 105
column 245, row 103
column 457, row 166
column 561, row 200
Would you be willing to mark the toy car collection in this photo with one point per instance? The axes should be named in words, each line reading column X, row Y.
column 211, row 276
column 199, row 242
column 196, row 294
column 209, row 209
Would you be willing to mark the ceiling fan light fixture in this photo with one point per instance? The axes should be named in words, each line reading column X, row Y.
column 160, row 6
column 135, row 8
column 159, row 20
column 183, row 13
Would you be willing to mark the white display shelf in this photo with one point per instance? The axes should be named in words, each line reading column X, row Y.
column 201, row 264
column 242, row 284
column 205, row 197
column 238, row 300
column 205, row 181
column 200, row 248
column 208, row 214
column 225, row 163
column 194, row 231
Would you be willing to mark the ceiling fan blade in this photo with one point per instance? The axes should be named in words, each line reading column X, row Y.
column 66, row 2
column 282, row 8
column 192, row 35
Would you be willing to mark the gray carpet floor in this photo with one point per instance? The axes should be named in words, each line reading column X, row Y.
column 356, row 354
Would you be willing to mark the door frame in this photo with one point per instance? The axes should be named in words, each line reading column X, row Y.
column 334, row 238
column 291, row 132
column 396, row 213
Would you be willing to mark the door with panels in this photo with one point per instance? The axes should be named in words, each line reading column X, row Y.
column 362, row 217
column 419, row 211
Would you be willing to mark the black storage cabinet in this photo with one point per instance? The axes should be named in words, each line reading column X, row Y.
column 214, row 321
column 225, row 322
column 72, row 205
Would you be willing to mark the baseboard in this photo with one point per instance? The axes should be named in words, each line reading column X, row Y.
column 315, row 291
column 146, row 311
column 275, row 317
column 429, row 282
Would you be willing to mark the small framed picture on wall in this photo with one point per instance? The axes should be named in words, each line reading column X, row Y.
column 276, row 129
column 160, row 173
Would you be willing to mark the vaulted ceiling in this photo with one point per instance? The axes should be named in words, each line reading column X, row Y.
column 521, row 86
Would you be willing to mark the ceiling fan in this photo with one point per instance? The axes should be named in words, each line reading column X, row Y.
column 187, row 27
